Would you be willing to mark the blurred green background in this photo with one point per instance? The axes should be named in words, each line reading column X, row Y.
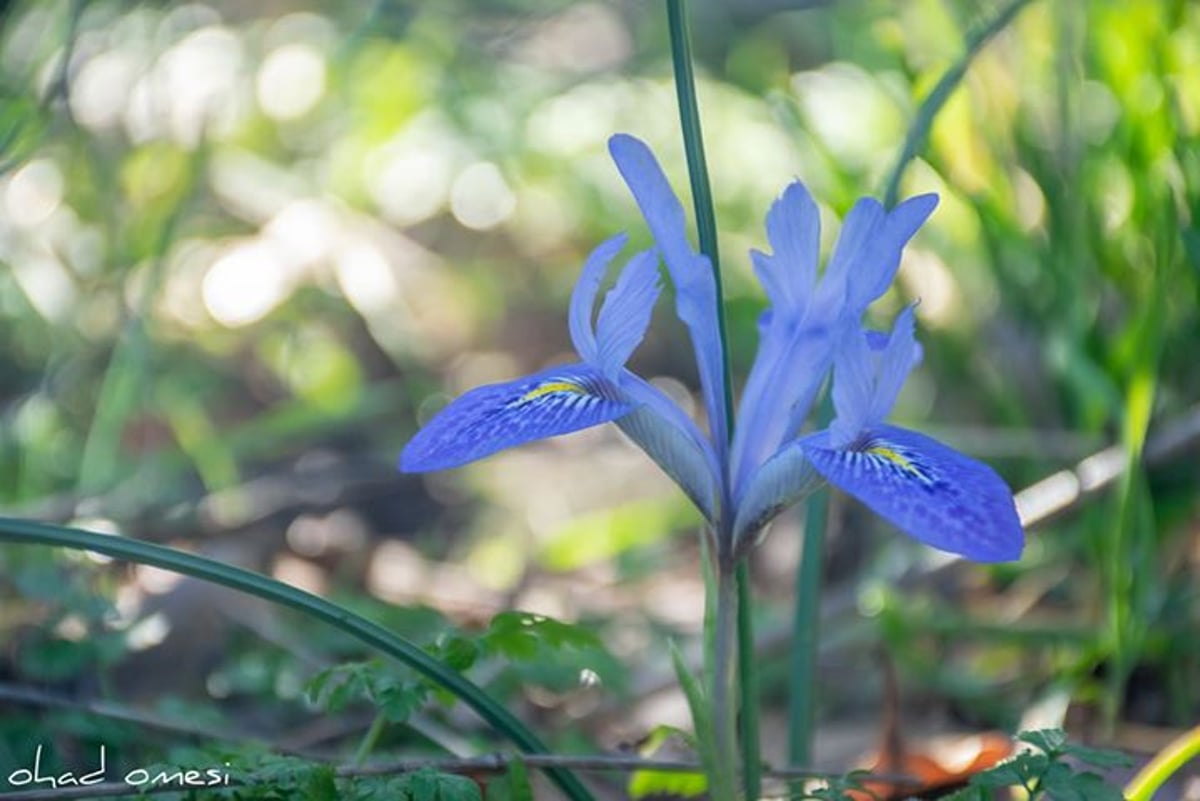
column 246, row 248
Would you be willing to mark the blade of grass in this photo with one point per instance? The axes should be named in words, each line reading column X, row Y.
column 693, row 145
column 123, row 383
column 31, row 533
column 1167, row 763
column 918, row 131
column 802, row 673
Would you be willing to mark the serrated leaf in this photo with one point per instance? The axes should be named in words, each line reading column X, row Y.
column 457, row 652
column 1049, row 741
column 1017, row 771
column 1070, row 786
column 1099, row 757
column 521, row 635
column 321, row 785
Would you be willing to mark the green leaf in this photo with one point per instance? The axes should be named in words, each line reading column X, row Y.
column 514, row 787
column 701, row 714
column 521, row 635
column 654, row 782
column 365, row 631
column 1066, row 785
column 1049, row 741
column 321, row 785
column 1020, row 770
column 1099, row 757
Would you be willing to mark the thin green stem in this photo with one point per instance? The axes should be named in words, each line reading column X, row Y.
column 372, row 634
column 748, row 671
column 370, row 739
column 805, row 632
column 918, row 131
column 724, row 680
column 693, row 145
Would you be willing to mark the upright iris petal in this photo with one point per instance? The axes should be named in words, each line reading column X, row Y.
column 691, row 273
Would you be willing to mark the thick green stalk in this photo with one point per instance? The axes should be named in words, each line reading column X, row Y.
column 372, row 634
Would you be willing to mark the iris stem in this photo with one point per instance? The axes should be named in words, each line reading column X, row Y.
column 734, row 603
column 747, row 670
column 733, row 672
column 723, row 785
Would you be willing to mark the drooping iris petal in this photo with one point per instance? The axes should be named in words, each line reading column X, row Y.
column 673, row 441
column 498, row 416
column 626, row 312
column 691, row 273
column 931, row 492
column 583, row 299
column 784, row 479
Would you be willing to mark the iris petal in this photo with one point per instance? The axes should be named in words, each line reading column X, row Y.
column 931, row 492
column 784, row 479
column 790, row 271
column 691, row 273
column 583, row 299
column 626, row 313
column 498, row 416
column 673, row 441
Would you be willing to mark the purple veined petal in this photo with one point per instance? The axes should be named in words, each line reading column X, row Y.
column 583, row 299
column 626, row 312
column 691, row 273
column 669, row 437
column 497, row 416
column 789, row 273
column 896, row 361
column 784, row 479
column 933, row 493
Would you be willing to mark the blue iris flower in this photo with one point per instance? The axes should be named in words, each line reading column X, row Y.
column 811, row 327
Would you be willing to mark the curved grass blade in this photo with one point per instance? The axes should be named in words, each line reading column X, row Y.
column 914, row 140
column 28, row 532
